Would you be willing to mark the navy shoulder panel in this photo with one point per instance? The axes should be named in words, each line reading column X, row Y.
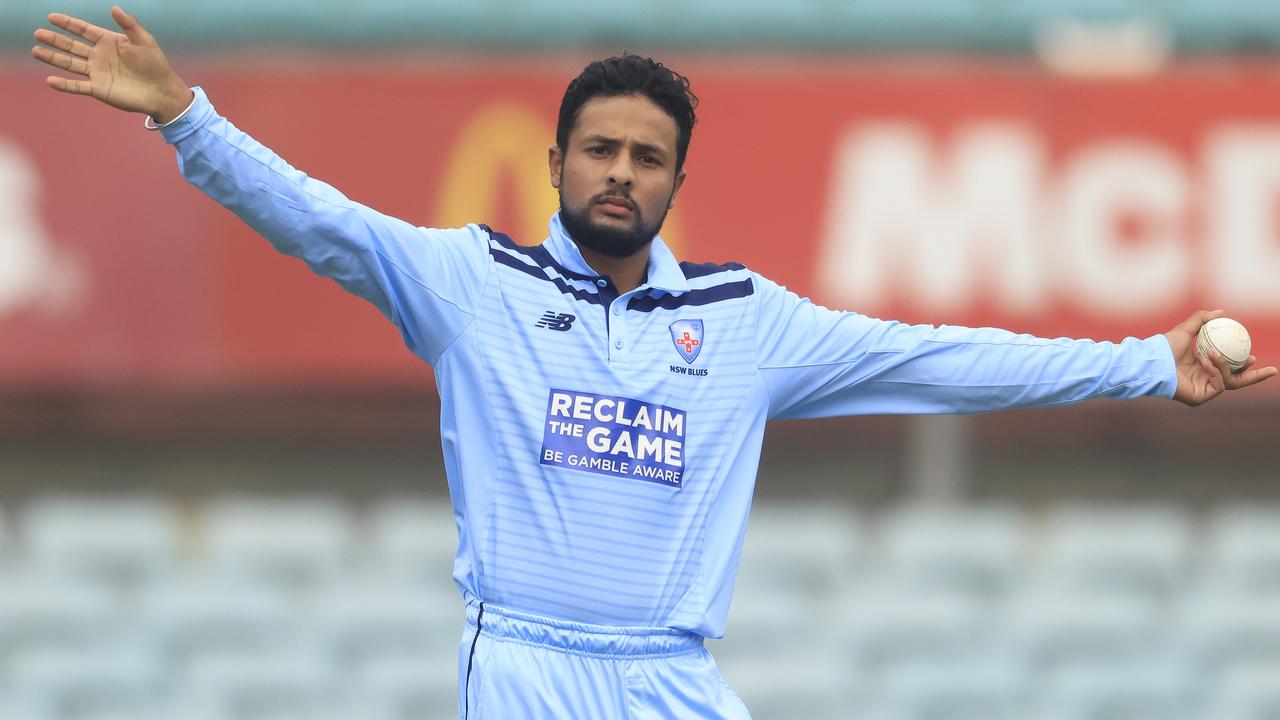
column 717, row 293
column 504, row 254
column 537, row 253
column 697, row 270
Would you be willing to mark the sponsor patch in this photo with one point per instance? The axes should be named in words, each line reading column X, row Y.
column 614, row 436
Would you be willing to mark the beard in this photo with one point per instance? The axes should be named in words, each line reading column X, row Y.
column 615, row 242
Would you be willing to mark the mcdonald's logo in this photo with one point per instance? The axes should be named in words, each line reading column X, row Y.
column 497, row 173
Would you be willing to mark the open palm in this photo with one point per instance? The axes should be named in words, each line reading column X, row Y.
column 127, row 71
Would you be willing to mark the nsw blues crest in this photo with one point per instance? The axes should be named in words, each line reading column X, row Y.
column 687, row 336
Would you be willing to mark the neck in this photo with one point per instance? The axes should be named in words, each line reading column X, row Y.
column 627, row 273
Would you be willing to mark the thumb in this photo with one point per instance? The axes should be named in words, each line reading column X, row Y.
column 131, row 27
column 1199, row 318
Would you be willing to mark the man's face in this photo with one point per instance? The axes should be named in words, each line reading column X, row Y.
column 617, row 177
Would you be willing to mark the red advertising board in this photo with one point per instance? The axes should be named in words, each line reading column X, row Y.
column 963, row 193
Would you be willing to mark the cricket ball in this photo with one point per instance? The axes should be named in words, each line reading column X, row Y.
column 1229, row 338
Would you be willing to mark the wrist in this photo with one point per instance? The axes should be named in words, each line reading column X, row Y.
column 174, row 100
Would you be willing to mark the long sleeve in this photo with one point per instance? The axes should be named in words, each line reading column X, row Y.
column 818, row 362
column 426, row 281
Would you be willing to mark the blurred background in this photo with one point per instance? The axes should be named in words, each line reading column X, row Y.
column 221, row 488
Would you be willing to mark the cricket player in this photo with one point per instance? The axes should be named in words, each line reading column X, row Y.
column 602, row 404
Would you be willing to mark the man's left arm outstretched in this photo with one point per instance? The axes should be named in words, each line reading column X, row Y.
column 817, row 362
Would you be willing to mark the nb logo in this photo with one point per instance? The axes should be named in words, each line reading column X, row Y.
column 555, row 321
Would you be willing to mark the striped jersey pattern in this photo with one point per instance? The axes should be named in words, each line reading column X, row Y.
column 600, row 448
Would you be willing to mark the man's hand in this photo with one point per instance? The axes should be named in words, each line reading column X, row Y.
column 127, row 71
column 1201, row 379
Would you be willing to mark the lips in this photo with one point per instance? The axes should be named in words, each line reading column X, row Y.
column 615, row 202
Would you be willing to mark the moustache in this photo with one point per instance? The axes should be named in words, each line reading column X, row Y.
column 614, row 195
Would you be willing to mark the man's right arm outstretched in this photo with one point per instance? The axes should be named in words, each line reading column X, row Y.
column 426, row 281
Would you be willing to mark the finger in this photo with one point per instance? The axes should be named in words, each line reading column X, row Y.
column 63, row 43
column 76, row 26
column 67, row 85
column 1213, row 379
column 1205, row 362
column 1250, row 377
column 1221, row 370
column 131, row 27
column 62, row 61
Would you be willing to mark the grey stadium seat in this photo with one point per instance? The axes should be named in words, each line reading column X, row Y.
column 1247, row 691
column 412, row 538
column 883, row 622
column 113, row 538
column 402, row 687
column 971, row 548
column 37, row 608
column 292, row 543
column 1244, row 545
column 293, row 682
column 196, row 612
column 977, row 686
column 1122, row 548
column 1052, row 622
column 89, row 679
column 1144, row 688
column 381, row 616
column 1221, row 624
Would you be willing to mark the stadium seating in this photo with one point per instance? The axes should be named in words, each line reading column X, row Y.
column 40, row 608
column 403, row 686
column 256, row 608
column 986, row 686
column 1244, row 545
column 974, row 549
column 88, row 679
column 1221, row 625
column 289, row 543
column 1248, row 691
column 16, row 704
column 1049, row 622
column 115, row 539
column 377, row 617
column 410, row 538
column 1143, row 550
column 1147, row 687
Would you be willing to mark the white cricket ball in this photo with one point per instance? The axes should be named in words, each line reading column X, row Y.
column 1229, row 338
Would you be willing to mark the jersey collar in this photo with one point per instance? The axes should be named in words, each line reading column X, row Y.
column 664, row 271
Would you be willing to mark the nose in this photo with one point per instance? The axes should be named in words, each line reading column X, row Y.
column 621, row 173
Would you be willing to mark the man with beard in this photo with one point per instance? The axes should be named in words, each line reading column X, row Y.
column 603, row 405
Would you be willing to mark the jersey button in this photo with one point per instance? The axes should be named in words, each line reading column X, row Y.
column 602, row 283
column 617, row 344
column 617, row 312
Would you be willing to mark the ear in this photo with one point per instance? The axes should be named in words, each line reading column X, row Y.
column 555, row 163
column 679, row 182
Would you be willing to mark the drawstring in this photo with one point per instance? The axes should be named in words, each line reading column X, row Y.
column 466, row 697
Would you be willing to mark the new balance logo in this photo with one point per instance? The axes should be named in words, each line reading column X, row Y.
column 555, row 321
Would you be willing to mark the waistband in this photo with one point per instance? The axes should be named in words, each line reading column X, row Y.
column 579, row 638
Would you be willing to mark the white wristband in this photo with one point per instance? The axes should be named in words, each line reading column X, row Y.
column 150, row 124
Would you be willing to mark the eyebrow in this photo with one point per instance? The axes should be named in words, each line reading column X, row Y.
column 642, row 147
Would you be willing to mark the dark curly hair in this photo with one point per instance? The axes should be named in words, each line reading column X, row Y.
column 631, row 75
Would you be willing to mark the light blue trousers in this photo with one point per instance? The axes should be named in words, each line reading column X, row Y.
column 517, row 666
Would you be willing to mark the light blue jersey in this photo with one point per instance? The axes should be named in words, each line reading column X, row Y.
column 601, row 449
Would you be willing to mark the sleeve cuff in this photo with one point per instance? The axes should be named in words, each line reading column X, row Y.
column 1167, row 386
column 193, row 118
